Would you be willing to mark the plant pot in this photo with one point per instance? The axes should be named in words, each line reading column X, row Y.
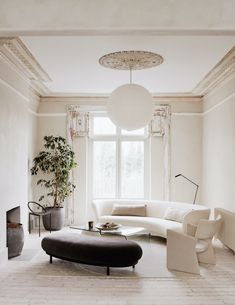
column 57, row 219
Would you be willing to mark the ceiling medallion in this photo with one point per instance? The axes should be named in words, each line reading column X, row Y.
column 130, row 98
column 131, row 60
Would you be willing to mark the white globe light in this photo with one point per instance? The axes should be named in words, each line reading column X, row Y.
column 130, row 107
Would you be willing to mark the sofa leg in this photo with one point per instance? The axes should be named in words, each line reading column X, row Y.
column 108, row 271
column 50, row 259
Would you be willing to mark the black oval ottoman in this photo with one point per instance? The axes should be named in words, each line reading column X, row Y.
column 99, row 251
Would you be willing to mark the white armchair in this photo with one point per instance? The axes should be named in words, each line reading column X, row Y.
column 186, row 250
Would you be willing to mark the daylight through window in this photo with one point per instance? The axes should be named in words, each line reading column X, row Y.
column 118, row 160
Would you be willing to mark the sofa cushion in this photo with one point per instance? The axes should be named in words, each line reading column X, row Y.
column 129, row 210
column 175, row 214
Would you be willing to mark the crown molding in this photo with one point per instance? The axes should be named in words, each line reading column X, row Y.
column 218, row 76
column 18, row 57
column 67, row 98
column 102, row 98
column 176, row 97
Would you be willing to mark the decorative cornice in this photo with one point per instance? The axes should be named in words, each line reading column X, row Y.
column 102, row 108
column 225, row 100
column 168, row 98
column 102, row 99
column 222, row 72
column 64, row 98
column 15, row 53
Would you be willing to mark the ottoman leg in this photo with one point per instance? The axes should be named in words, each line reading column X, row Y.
column 108, row 271
column 50, row 259
column 133, row 266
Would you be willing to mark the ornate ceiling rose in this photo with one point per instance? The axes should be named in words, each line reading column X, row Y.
column 131, row 60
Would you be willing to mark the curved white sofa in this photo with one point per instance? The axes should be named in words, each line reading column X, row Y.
column 154, row 221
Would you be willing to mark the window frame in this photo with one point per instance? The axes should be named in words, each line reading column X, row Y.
column 118, row 138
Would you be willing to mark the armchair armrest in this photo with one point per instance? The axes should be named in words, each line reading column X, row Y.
column 194, row 217
column 191, row 229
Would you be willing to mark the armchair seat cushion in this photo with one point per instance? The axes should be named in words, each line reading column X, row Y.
column 201, row 246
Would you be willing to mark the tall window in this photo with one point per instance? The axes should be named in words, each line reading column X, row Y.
column 118, row 160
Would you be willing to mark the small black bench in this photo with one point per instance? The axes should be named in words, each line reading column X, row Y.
column 98, row 251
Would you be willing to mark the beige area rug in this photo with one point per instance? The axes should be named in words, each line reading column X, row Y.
column 32, row 280
column 151, row 265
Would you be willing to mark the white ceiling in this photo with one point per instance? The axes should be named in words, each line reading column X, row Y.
column 154, row 25
column 72, row 61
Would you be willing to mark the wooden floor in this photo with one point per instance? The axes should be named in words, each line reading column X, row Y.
column 36, row 282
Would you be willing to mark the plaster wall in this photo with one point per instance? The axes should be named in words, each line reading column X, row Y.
column 15, row 124
column 219, row 147
column 186, row 159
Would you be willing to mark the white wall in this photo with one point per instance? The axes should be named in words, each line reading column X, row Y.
column 32, row 141
column 53, row 122
column 219, row 148
column 186, row 132
column 186, row 150
column 14, row 148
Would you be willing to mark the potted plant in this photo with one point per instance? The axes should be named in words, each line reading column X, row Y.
column 56, row 162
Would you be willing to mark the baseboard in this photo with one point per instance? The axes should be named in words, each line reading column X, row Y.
column 3, row 256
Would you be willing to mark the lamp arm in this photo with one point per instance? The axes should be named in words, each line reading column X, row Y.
column 197, row 186
column 194, row 200
column 190, row 180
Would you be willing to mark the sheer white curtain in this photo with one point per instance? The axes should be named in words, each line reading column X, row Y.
column 77, row 126
column 160, row 127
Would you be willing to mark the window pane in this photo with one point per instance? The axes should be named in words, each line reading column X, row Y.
column 132, row 169
column 103, row 126
column 104, row 169
column 137, row 132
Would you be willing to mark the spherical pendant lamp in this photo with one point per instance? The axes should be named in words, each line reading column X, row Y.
column 130, row 106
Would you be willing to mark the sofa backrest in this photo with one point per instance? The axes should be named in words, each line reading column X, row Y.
column 155, row 208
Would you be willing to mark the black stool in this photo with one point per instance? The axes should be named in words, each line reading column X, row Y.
column 38, row 210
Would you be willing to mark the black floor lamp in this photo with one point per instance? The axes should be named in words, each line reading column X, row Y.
column 197, row 186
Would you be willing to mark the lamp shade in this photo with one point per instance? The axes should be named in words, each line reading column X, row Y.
column 130, row 107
